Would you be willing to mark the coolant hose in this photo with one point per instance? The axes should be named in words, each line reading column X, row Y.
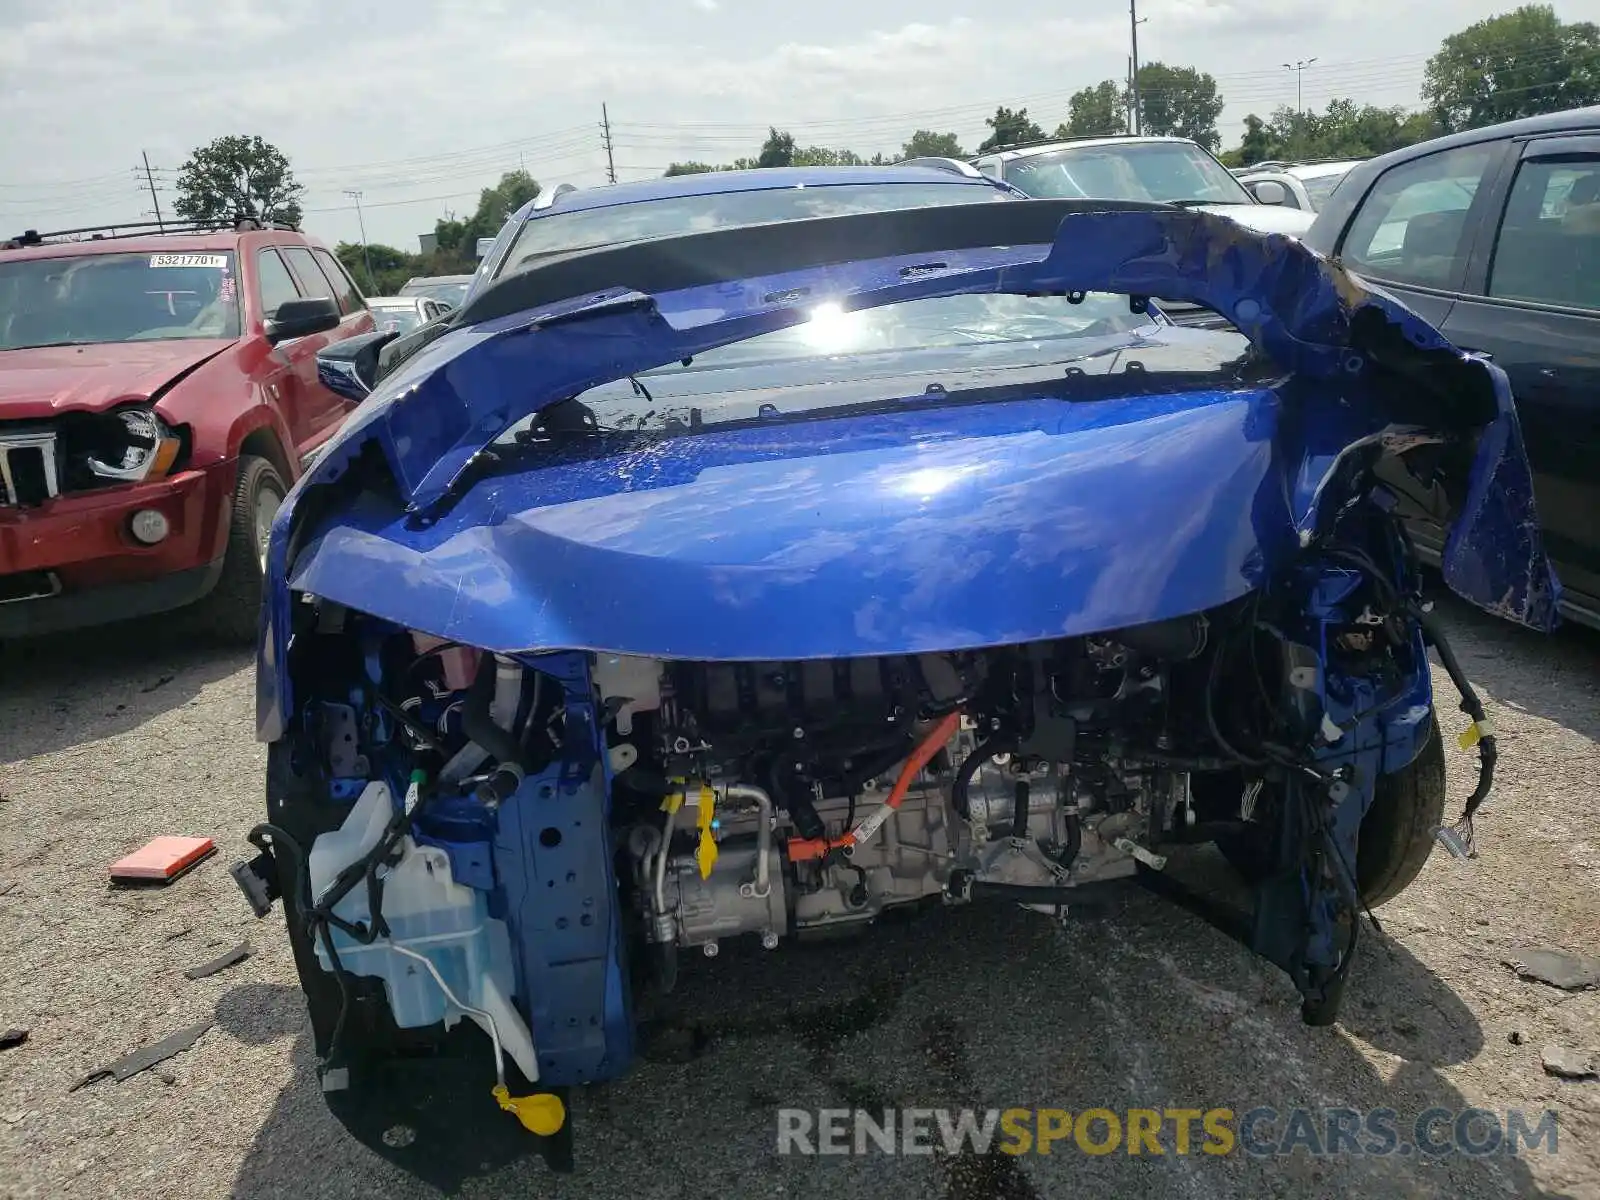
column 479, row 724
column 981, row 754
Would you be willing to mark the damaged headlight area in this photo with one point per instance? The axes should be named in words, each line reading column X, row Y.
column 125, row 445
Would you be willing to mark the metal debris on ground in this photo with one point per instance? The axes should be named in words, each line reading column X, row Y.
column 1558, row 968
column 1567, row 1064
column 12, row 1037
column 142, row 1060
column 221, row 963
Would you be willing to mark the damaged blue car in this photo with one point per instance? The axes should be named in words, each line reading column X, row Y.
column 753, row 582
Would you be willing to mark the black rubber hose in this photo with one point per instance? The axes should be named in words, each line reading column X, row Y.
column 1019, row 810
column 665, row 958
column 1069, row 853
column 981, row 754
column 480, row 726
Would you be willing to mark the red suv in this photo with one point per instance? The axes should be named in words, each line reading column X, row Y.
column 158, row 396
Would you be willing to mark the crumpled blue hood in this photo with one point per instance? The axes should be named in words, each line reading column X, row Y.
column 963, row 526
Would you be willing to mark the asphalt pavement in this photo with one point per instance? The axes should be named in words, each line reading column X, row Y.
column 110, row 738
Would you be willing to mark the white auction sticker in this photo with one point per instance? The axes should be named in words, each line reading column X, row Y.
column 217, row 262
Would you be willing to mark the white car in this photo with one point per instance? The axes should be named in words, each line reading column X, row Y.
column 1126, row 167
column 1304, row 186
column 402, row 314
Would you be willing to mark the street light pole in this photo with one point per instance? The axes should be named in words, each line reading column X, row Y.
column 1298, row 67
column 361, row 222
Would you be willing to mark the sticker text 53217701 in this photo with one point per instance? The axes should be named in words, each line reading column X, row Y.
column 217, row 262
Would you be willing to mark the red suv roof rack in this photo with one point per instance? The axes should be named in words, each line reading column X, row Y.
column 129, row 229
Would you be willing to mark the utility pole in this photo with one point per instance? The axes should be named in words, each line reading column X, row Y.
column 611, row 165
column 149, row 177
column 362, row 224
column 1129, row 95
column 1298, row 67
column 1134, row 21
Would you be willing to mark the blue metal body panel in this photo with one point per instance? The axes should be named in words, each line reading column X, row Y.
column 913, row 527
column 890, row 533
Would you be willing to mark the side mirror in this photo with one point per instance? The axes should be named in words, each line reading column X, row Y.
column 301, row 318
column 1270, row 191
column 349, row 368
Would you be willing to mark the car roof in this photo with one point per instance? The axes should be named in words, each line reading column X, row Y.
column 395, row 301
column 1085, row 143
column 165, row 243
column 1318, row 170
column 1569, row 119
column 711, row 183
column 436, row 279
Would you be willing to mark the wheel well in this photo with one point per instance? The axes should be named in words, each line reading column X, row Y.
column 263, row 443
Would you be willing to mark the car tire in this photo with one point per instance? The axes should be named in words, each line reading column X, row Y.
column 1396, row 835
column 232, row 612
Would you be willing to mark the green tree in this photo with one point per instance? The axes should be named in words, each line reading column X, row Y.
column 690, row 168
column 1518, row 64
column 458, row 240
column 1343, row 130
column 238, row 176
column 1095, row 110
column 1008, row 128
column 390, row 267
column 822, row 156
column 925, row 143
column 1257, row 143
column 1179, row 101
column 777, row 151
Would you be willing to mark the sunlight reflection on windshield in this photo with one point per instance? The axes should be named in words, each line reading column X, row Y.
column 830, row 329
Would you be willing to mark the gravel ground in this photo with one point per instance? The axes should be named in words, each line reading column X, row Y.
column 109, row 739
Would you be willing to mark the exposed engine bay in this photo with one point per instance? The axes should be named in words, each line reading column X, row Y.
column 805, row 797
column 434, row 807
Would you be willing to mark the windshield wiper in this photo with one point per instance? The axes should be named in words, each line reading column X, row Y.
column 46, row 345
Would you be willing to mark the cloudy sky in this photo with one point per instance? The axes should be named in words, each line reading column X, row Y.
column 419, row 103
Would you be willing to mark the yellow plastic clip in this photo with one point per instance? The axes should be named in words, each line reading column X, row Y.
column 672, row 802
column 1475, row 733
column 706, row 852
column 541, row 1113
